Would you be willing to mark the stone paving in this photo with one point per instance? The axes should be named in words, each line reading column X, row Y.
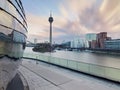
column 40, row 77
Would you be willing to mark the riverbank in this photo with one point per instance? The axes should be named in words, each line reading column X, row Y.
column 103, row 52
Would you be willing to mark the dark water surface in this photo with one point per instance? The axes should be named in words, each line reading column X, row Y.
column 87, row 57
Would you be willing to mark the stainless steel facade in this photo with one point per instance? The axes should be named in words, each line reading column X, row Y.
column 13, row 29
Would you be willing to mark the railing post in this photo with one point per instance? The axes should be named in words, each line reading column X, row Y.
column 67, row 62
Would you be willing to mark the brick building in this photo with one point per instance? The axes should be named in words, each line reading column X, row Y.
column 101, row 37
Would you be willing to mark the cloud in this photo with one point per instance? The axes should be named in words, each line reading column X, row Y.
column 77, row 13
column 92, row 16
column 38, row 27
column 110, row 10
column 78, row 17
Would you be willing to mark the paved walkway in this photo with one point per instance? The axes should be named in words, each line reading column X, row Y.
column 44, row 78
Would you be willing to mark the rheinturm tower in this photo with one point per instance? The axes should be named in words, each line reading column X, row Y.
column 50, row 21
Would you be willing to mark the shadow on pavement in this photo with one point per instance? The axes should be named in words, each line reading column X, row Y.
column 15, row 84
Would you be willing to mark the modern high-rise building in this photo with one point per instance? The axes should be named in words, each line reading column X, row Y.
column 101, row 37
column 97, row 40
column 13, row 29
column 91, row 40
column 91, row 36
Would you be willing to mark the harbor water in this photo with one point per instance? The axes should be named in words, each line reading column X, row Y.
column 84, row 56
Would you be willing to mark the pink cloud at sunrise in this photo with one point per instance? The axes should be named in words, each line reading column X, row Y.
column 73, row 18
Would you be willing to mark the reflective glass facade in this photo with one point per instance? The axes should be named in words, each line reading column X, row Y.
column 13, row 29
column 112, row 44
column 91, row 36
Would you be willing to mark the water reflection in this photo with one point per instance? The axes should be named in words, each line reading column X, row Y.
column 87, row 57
column 12, row 45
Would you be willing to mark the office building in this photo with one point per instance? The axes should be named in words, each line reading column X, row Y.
column 101, row 37
column 79, row 43
column 91, row 40
column 113, row 44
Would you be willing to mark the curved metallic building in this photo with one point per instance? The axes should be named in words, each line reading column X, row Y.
column 13, row 29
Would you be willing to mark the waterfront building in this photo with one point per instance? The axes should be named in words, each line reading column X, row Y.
column 101, row 37
column 97, row 40
column 90, row 36
column 13, row 29
column 93, row 44
column 91, row 40
column 113, row 44
column 79, row 43
column 66, row 44
column 35, row 41
column 72, row 44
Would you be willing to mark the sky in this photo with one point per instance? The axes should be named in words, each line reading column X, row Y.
column 72, row 18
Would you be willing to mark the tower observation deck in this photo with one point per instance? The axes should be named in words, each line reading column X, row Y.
column 50, row 21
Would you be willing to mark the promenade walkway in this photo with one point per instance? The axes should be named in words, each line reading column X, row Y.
column 40, row 77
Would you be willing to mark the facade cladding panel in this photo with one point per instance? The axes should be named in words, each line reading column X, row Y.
column 13, row 18
column 13, row 29
column 19, row 6
column 14, row 10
